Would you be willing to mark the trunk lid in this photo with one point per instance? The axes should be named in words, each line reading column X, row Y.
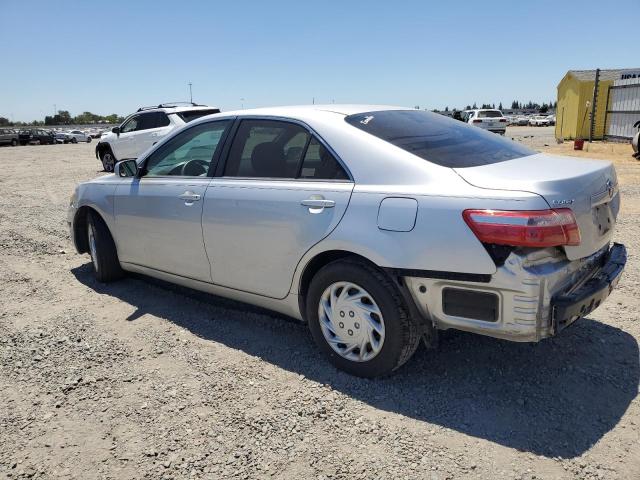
column 588, row 187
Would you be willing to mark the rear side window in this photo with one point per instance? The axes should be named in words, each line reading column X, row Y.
column 278, row 149
column 147, row 121
column 191, row 115
column 161, row 120
column 266, row 149
column 438, row 139
column 489, row 114
column 319, row 164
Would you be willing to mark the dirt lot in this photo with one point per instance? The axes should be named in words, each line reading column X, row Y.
column 139, row 379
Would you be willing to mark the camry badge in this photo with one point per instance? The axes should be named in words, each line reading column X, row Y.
column 566, row 201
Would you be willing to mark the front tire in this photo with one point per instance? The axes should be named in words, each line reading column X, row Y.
column 108, row 160
column 74, row 140
column 359, row 319
column 102, row 248
column 14, row 142
column 88, row 139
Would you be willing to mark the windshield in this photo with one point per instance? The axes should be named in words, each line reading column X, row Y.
column 438, row 139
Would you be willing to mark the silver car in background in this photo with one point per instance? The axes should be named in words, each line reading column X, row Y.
column 376, row 225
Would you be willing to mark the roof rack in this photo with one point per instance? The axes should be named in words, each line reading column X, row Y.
column 171, row 104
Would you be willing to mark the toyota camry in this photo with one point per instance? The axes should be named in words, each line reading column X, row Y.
column 377, row 226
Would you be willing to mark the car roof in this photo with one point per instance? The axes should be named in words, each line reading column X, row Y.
column 295, row 110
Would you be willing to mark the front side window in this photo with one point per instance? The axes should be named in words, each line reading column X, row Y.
column 438, row 139
column 189, row 153
column 130, row 125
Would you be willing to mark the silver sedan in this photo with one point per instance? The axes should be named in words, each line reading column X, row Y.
column 378, row 226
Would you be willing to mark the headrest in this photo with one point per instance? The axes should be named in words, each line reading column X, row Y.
column 267, row 160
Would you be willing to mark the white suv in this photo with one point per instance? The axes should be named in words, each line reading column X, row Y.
column 144, row 128
column 488, row 119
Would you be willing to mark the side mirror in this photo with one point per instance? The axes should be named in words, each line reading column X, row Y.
column 116, row 130
column 126, row 168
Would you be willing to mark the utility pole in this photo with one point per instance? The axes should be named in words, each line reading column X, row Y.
column 242, row 104
column 190, row 93
column 55, row 110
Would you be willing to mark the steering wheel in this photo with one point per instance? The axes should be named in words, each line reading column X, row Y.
column 195, row 168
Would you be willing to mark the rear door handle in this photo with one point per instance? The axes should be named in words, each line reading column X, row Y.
column 189, row 196
column 318, row 203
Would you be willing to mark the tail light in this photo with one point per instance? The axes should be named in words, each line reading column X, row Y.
column 524, row 228
column 504, row 120
column 477, row 120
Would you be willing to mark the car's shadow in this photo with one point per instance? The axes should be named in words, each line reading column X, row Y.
column 556, row 398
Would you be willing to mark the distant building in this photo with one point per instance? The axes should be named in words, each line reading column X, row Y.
column 575, row 102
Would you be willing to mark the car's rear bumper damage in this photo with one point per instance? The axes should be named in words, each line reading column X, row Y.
column 534, row 295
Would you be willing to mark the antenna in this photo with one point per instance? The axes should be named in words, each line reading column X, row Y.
column 190, row 93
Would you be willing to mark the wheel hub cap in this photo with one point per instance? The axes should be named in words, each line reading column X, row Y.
column 351, row 321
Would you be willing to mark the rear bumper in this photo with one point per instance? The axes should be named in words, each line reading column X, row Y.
column 586, row 297
column 531, row 297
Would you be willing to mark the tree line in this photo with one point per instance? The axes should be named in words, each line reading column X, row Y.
column 63, row 117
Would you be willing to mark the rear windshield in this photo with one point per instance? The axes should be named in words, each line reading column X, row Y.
column 438, row 139
column 190, row 115
column 489, row 114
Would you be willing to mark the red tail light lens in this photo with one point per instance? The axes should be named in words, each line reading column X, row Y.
column 524, row 228
column 503, row 120
column 477, row 121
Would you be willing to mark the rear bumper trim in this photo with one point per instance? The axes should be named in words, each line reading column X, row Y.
column 568, row 307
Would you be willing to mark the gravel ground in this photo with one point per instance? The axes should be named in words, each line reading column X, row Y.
column 140, row 379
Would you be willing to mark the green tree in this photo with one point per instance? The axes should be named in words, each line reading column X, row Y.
column 4, row 121
column 500, row 106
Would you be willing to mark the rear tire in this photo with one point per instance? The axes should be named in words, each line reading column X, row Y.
column 374, row 291
column 14, row 142
column 102, row 248
column 88, row 139
column 74, row 140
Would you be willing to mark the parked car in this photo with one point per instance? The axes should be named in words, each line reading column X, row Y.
column 145, row 128
column 376, row 225
column 552, row 119
column 539, row 121
column 523, row 120
column 488, row 119
column 62, row 137
column 37, row 136
column 9, row 136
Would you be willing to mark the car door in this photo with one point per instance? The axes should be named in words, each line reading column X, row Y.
column 124, row 146
column 158, row 213
column 279, row 193
column 155, row 126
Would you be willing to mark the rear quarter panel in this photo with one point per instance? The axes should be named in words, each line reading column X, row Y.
column 440, row 239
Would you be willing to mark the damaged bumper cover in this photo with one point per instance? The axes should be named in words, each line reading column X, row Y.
column 587, row 296
column 535, row 293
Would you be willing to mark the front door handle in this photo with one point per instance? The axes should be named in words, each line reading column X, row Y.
column 189, row 197
column 318, row 203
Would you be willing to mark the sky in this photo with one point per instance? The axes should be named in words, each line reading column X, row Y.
column 114, row 56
